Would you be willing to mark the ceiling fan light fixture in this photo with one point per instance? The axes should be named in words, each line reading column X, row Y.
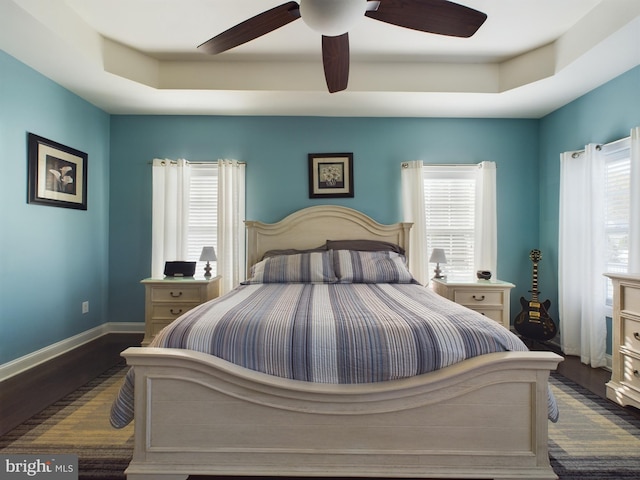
column 332, row 17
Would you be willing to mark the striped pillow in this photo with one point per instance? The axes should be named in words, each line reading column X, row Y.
column 353, row 266
column 312, row 267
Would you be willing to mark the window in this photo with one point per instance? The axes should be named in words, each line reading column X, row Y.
column 453, row 203
column 617, row 205
column 192, row 202
column 203, row 212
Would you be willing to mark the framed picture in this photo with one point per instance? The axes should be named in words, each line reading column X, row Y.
column 57, row 175
column 330, row 175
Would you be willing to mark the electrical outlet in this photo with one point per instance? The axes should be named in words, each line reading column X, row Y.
column 85, row 307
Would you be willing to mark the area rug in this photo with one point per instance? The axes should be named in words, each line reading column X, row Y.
column 594, row 438
column 79, row 424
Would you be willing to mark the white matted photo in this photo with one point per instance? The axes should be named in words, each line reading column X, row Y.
column 57, row 174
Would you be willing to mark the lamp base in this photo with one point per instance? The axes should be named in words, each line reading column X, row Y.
column 438, row 272
column 207, row 270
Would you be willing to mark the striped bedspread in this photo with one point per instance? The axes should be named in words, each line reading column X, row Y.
column 332, row 333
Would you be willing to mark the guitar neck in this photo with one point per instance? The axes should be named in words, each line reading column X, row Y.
column 534, row 285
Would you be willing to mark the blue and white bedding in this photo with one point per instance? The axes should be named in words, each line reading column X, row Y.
column 332, row 317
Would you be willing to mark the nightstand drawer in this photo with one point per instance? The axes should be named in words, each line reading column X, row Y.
column 154, row 326
column 176, row 294
column 630, row 299
column 631, row 372
column 170, row 311
column 478, row 297
column 492, row 314
column 631, row 334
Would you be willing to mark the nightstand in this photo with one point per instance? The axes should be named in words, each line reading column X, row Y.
column 488, row 297
column 166, row 299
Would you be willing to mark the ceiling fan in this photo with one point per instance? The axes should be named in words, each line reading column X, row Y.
column 334, row 18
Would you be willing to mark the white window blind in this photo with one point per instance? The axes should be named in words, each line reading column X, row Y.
column 203, row 212
column 617, row 209
column 450, row 196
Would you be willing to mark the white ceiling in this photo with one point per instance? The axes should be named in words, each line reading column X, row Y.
column 139, row 56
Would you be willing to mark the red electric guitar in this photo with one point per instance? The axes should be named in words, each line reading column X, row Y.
column 534, row 321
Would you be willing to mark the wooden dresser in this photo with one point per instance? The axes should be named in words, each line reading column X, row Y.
column 624, row 387
column 488, row 297
column 166, row 299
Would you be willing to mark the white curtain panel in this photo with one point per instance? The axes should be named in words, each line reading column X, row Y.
column 581, row 299
column 170, row 213
column 231, row 228
column 634, row 226
column 413, row 211
column 486, row 228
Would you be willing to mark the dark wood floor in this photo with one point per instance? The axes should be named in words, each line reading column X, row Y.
column 593, row 379
column 28, row 393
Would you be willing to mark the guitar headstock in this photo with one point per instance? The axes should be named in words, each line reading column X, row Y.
column 535, row 255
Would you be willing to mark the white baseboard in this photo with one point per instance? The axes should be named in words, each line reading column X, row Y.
column 45, row 354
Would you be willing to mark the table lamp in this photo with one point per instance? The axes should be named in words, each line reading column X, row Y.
column 209, row 255
column 438, row 257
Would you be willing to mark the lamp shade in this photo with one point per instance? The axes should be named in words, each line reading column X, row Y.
column 332, row 17
column 438, row 256
column 208, row 254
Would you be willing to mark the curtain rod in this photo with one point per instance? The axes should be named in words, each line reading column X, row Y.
column 577, row 153
column 192, row 163
column 406, row 165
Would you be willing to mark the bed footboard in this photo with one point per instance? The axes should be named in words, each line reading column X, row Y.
column 199, row 415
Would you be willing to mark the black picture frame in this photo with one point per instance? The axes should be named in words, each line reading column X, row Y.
column 57, row 174
column 331, row 175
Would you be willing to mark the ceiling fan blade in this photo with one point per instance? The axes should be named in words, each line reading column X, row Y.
column 373, row 5
column 431, row 16
column 253, row 28
column 335, row 57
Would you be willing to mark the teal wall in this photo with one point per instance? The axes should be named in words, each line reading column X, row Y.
column 276, row 148
column 51, row 259
column 603, row 115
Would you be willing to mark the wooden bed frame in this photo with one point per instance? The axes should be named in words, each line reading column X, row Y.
column 196, row 414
